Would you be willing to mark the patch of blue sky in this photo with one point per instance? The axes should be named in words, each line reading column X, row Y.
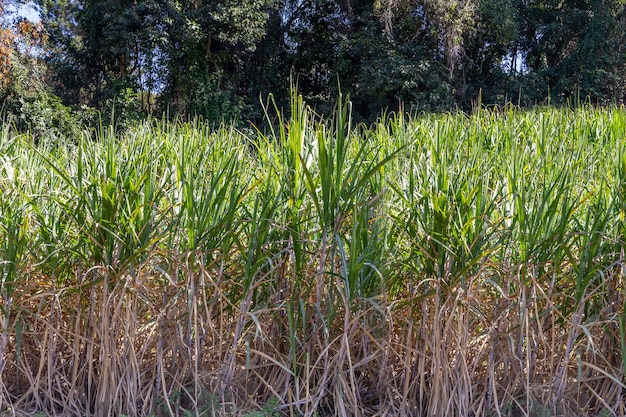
column 27, row 10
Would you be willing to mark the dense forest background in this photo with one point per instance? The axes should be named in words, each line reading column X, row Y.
column 88, row 61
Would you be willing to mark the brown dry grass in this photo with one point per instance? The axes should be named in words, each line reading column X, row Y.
column 147, row 345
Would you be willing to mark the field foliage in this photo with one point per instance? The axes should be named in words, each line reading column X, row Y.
column 440, row 265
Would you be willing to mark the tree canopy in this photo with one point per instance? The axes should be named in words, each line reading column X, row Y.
column 214, row 58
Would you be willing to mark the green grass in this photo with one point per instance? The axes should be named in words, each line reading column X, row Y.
column 434, row 265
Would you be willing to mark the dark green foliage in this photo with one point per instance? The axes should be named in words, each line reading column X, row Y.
column 575, row 49
column 30, row 106
column 215, row 59
column 102, row 54
column 206, row 47
column 381, row 71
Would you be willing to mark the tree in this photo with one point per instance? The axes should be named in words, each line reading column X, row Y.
column 101, row 52
column 7, row 38
column 215, row 57
column 575, row 48
column 491, row 57
column 207, row 46
column 385, row 64
column 379, row 63
column 189, row 52
column 26, row 99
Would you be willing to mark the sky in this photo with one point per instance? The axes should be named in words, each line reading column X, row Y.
column 26, row 10
column 29, row 12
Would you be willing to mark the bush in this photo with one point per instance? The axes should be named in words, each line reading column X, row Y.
column 30, row 106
